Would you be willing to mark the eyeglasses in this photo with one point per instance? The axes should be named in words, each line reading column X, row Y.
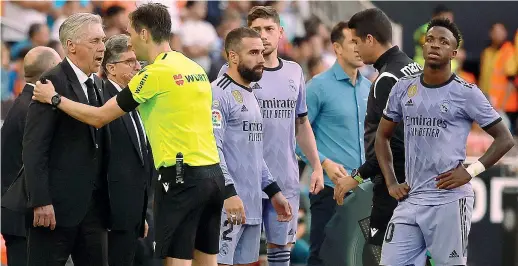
column 130, row 62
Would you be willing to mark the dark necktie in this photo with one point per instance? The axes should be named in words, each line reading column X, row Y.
column 140, row 132
column 93, row 99
column 92, row 94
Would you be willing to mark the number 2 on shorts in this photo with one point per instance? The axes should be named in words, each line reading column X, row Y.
column 228, row 231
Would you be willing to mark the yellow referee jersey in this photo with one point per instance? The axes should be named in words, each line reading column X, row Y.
column 175, row 100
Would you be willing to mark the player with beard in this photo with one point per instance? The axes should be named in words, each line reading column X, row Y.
column 238, row 127
column 437, row 109
column 282, row 98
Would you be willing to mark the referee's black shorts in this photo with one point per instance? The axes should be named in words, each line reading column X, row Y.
column 188, row 215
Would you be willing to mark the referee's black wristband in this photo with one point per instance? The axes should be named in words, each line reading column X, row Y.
column 125, row 100
column 272, row 189
column 230, row 191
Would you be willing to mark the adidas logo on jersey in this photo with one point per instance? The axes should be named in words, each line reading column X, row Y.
column 291, row 232
column 454, row 254
column 409, row 103
column 244, row 109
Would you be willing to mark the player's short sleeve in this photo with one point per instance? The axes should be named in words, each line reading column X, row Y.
column 223, row 70
column 479, row 109
column 301, row 108
column 393, row 111
column 144, row 85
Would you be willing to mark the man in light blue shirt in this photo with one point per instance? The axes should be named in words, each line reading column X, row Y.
column 337, row 103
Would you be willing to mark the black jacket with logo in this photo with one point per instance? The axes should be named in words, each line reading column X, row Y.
column 391, row 66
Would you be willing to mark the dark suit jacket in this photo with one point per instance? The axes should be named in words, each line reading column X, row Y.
column 13, row 223
column 59, row 153
column 129, row 174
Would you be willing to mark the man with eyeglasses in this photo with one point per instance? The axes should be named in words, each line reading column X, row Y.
column 129, row 181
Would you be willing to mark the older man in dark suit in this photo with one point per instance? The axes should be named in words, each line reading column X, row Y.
column 36, row 62
column 66, row 161
column 129, row 180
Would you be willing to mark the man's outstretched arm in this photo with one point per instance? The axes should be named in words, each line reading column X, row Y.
column 94, row 116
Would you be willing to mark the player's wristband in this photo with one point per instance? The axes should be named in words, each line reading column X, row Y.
column 475, row 169
column 272, row 189
column 230, row 191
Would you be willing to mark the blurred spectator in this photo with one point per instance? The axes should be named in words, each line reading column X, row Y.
column 300, row 251
column 230, row 20
column 38, row 35
column 6, row 93
column 176, row 42
column 115, row 20
column 316, row 66
column 27, row 12
column 440, row 11
column 291, row 22
column 242, row 7
column 197, row 35
column 16, row 74
column 84, row 6
column 461, row 58
column 173, row 7
column 301, row 49
column 128, row 5
column 300, row 52
column 497, row 73
column 56, row 45
column 68, row 8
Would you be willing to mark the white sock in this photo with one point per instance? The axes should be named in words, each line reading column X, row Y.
column 279, row 256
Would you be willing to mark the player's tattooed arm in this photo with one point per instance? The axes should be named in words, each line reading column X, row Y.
column 503, row 142
column 299, row 121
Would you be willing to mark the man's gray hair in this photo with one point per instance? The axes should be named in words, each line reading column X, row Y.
column 72, row 26
column 115, row 46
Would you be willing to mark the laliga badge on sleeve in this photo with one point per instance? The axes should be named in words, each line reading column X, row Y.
column 216, row 118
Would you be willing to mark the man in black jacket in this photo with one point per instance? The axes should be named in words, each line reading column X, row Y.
column 372, row 33
column 129, row 180
column 66, row 161
column 36, row 62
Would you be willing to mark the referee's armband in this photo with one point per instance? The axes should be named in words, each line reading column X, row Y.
column 125, row 100
column 272, row 189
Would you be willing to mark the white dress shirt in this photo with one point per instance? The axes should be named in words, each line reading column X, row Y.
column 132, row 119
column 81, row 76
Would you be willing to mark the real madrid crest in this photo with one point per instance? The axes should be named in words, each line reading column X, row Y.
column 412, row 91
column 292, row 85
column 445, row 106
column 237, row 96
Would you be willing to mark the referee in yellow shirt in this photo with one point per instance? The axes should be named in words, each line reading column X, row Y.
column 174, row 98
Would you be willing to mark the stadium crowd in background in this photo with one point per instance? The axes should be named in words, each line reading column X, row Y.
column 199, row 29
